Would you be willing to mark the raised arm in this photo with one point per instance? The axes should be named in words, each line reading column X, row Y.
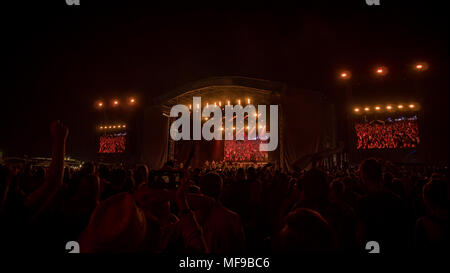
column 38, row 200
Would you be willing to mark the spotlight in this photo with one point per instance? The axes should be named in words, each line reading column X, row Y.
column 100, row 104
column 110, row 127
column 228, row 102
column 412, row 106
column 422, row 66
column 381, row 71
column 114, row 126
column 123, row 126
column 248, row 101
column 132, row 100
column 356, row 110
column 101, row 127
column 239, row 102
column 400, row 106
column 116, row 102
column 389, row 107
column 366, row 109
column 377, row 108
column 344, row 75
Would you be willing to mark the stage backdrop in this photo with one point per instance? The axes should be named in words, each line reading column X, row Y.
column 302, row 121
column 155, row 137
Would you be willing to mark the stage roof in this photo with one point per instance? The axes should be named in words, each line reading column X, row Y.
column 221, row 89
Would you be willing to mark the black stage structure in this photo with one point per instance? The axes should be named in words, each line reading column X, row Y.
column 305, row 123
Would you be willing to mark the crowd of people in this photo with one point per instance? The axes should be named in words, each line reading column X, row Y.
column 388, row 135
column 221, row 208
column 112, row 143
column 244, row 150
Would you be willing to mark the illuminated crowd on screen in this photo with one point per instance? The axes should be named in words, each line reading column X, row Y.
column 112, row 143
column 388, row 135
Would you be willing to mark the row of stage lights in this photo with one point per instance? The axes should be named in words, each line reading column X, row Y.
column 388, row 108
column 379, row 71
column 106, row 127
column 383, row 70
column 116, row 102
column 220, row 103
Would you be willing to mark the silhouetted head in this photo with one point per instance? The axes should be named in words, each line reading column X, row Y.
column 337, row 188
column 118, row 179
column 315, row 184
column 435, row 195
column 306, row 230
column 141, row 174
column 88, row 168
column 211, row 185
column 371, row 173
column 240, row 174
column 251, row 173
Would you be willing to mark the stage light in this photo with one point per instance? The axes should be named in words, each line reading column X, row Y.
column 123, row 126
column 389, row 107
column 377, row 108
column 239, row 102
column 412, row 106
column 344, row 75
column 116, row 102
column 422, row 66
column 220, row 103
column 207, row 104
column 132, row 100
column 100, row 104
column 366, row 109
column 215, row 104
column 101, row 127
column 110, row 127
column 228, row 102
column 381, row 71
column 114, row 126
column 356, row 110
column 400, row 106
column 248, row 101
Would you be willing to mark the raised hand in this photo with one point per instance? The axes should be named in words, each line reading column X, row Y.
column 59, row 132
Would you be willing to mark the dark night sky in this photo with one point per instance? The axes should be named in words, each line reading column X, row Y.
column 60, row 59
